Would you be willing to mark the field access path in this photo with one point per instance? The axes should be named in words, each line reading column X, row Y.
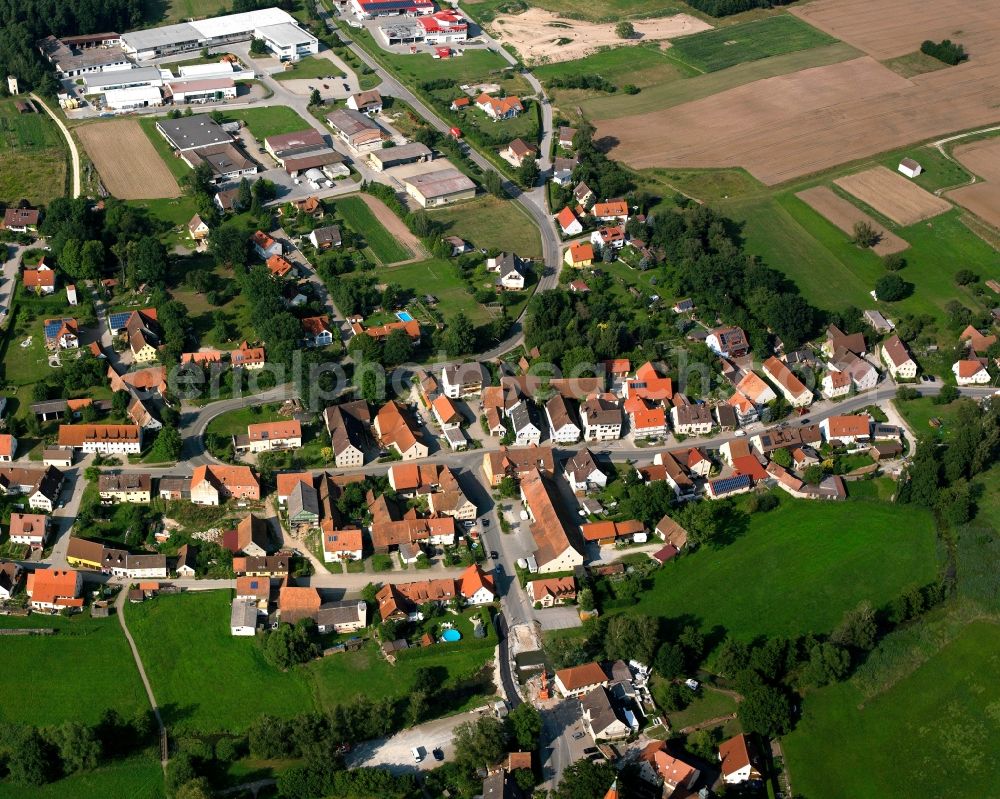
column 120, row 611
column 73, row 151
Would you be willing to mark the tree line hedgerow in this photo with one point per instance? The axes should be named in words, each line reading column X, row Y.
column 725, row 8
column 947, row 51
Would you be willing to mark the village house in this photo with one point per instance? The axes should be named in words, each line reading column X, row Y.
column 464, row 380
column 297, row 602
column 517, row 463
column 498, row 108
column 524, row 423
column 55, row 589
column 262, row 566
column 125, row 487
column 325, row 238
column 602, row 418
column 613, row 237
column 21, row 220
column 583, row 194
column 739, row 761
column 28, row 529
column 582, row 472
column 8, row 447
column 61, row 334
column 369, row 102
column 563, row 428
column 580, row 255
column 279, row 266
column 264, row 245
column 897, row 359
column 658, row 767
column 198, row 229
column 568, row 222
column 602, row 718
column 247, row 357
column 547, row 592
column 251, row 537
column 646, row 421
column 446, row 413
column 356, row 130
column 608, row 533
column 341, row 545
column 788, row 384
column 303, row 508
column 648, row 384
column 342, row 616
column 846, row 429
column 107, row 439
column 554, row 549
column 728, row 486
column 347, row 425
column 977, row 342
column 836, row 384
column 864, row 376
column 42, row 487
column 212, row 484
column 690, row 419
column 579, row 680
column 395, row 430
column 518, row 151
column 11, row 578
column 268, row 436
column 610, row 211
column 729, row 342
column 837, row 339
column 41, row 280
column 970, row 373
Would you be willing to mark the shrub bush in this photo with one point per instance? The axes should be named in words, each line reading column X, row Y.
column 947, row 51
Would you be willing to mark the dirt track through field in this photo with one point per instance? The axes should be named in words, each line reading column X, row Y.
column 535, row 34
column 893, row 195
column 126, row 160
column 396, row 228
column 835, row 209
column 793, row 125
column 982, row 158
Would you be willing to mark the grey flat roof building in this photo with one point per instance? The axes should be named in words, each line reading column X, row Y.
column 187, row 133
column 167, row 36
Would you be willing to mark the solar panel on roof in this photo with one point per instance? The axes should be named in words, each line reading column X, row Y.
column 730, row 483
column 118, row 320
column 52, row 328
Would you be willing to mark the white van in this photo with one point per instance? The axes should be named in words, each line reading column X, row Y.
column 418, row 753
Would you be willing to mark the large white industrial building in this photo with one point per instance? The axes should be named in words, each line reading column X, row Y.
column 276, row 28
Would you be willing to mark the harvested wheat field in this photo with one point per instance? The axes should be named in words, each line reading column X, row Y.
column 126, row 160
column 536, row 34
column 844, row 215
column 890, row 28
column 982, row 159
column 789, row 126
column 892, row 195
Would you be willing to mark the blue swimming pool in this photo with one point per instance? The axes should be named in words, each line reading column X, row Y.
column 451, row 635
column 404, row 316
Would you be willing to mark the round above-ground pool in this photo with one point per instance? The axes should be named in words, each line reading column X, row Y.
column 451, row 635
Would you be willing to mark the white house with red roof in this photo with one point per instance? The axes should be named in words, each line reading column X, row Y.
column 970, row 373
column 568, row 222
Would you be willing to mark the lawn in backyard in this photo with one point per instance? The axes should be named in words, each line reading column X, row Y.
column 359, row 217
column 442, row 280
column 211, row 692
column 271, row 120
column 918, row 413
column 832, row 273
column 798, row 568
column 227, row 684
column 311, row 68
column 710, row 51
column 139, row 777
column 175, row 212
column 33, row 154
column 489, row 222
column 82, row 670
column 708, row 704
column 235, row 422
column 931, row 733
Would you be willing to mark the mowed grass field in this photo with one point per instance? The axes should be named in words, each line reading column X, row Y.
column 360, row 218
column 710, row 51
column 271, row 120
column 489, row 222
column 163, row 12
column 74, row 675
column 485, row 10
column 833, row 273
column 33, row 156
column 311, row 67
column 441, row 279
column 931, row 734
column 136, row 778
column 207, row 680
column 204, row 678
column 798, row 568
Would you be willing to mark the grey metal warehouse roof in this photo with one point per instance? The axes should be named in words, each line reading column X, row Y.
column 161, row 37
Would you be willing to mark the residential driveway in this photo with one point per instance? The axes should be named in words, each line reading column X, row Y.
column 558, row 618
column 12, row 256
column 395, row 753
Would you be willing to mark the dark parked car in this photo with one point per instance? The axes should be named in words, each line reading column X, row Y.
column 495, row 555
column 438, row 754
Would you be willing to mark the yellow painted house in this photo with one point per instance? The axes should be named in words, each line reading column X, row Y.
column 580, row 255
column 85, row 554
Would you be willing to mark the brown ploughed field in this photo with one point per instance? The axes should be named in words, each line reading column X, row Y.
column 892, row 195
column 982, row 158
column 127, row 162
column 835, row 209
column 789, row 126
